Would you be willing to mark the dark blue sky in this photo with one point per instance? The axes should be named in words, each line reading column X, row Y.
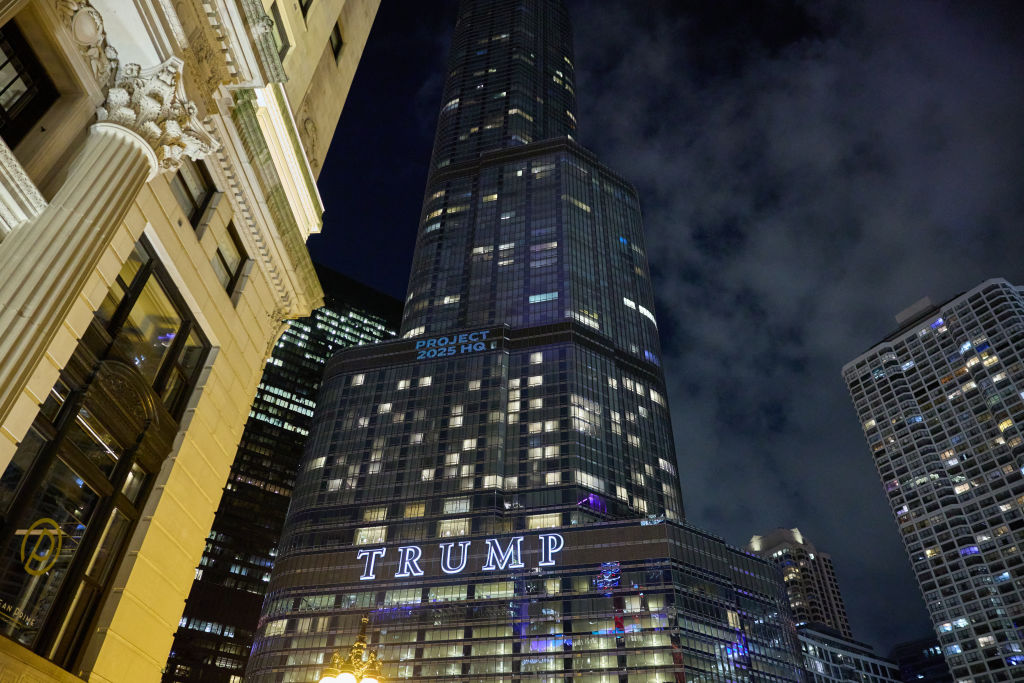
column 806, row 169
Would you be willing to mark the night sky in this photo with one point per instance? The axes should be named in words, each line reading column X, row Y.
column 806, row 171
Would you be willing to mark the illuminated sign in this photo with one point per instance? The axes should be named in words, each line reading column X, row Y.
column 439, row 347
column 499, row 558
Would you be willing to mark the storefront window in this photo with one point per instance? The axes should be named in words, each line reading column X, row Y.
column 75, row 488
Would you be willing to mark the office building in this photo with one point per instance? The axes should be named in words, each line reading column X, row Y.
column 830, row 657
column 921, row 661
column 941, row 403
column 219, row 620
column 498, row 490
column 157, row 187
column 809, row 576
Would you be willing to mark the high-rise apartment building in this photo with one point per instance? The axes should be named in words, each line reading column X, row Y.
column 498, row 490
column 157, row 186
column 941, row 402
column 809, row 576
column 217, row 627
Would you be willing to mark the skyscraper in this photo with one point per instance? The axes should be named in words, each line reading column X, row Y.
column 941, row 402
column 809, row 575
column 219, row 620
column 499, row 489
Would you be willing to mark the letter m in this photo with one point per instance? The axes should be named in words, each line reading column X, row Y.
column 510, row 558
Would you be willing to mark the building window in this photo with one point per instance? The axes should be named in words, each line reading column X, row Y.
column 280, row 32
column 337, row 42
column 229, row 260
column 26, row 92
column 78, row 482
column 193, row 188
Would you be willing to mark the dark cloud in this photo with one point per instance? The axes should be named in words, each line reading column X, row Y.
column 807, row 169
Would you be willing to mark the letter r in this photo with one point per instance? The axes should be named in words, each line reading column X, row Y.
column 408, row 562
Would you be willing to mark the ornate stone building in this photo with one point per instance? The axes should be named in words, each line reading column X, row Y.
column 158, row 164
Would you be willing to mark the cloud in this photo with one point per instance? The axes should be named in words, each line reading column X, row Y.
column 806, row 171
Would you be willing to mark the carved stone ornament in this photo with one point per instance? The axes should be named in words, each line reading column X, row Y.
column 262, row 26
column 86, row 27
column 151, row 102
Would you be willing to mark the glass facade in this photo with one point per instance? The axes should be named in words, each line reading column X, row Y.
column 219, row 620
column 941, row 403
column 832, row 658
column 467, row 486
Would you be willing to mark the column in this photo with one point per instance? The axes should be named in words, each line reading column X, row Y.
column 145, row 126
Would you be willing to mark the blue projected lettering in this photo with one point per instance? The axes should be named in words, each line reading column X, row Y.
column 439, row 347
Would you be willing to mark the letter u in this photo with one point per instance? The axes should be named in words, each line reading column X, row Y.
column 446, row 557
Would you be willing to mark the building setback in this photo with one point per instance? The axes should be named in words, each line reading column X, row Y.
column 498, row 490
column 809, row 576
column 157, row 187
column 217, row 627
column 941, row 402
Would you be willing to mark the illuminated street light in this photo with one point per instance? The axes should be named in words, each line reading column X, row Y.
column 354, row 668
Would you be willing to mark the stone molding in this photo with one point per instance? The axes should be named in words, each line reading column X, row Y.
column 85, row 24
column 261, row 26
column 20, row 200
column 152, row 103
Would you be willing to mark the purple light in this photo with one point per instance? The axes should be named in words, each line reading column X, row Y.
column 594, row 502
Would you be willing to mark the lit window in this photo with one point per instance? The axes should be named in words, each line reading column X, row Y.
column 371, row 534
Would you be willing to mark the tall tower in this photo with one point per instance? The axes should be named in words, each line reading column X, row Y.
column 809, row 575
column 941, row 402
column 498, row 490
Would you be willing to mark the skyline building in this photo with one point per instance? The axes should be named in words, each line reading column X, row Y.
column 809, row 576
column 941, row 403
column 498, row 490
column 830, row 657
column 219, row 620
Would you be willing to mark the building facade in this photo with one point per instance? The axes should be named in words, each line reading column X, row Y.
column 830, row 657
column 941, row 402
column 217, row 627
column 466, row 486
column 809, row 576
column 157, row 187
column 921, row 661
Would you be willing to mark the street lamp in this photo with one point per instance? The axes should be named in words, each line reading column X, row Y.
column 354, row 669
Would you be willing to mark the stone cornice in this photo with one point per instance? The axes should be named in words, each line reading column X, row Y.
column 261, row 28
column 287, row 230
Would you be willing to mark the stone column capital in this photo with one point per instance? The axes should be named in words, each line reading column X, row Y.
column 152, row 103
